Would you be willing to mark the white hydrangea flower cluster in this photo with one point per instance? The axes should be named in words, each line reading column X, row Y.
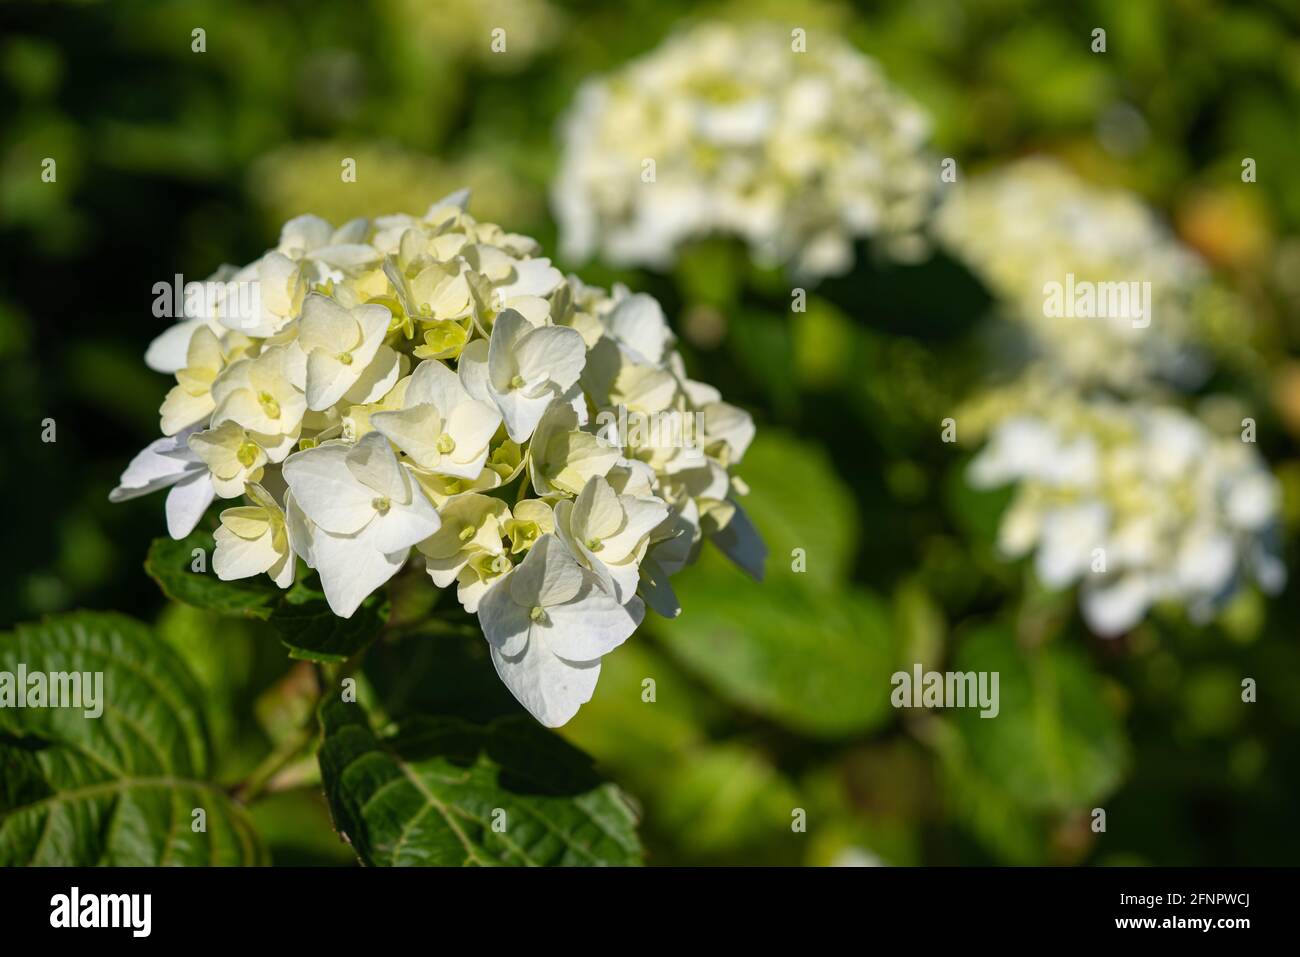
column 434, row 384
column 1137, row 502
column 798, row 153
column 1033, row 223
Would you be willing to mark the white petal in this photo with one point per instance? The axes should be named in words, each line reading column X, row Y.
column 508, row 331
column 504, row 621
column 300, row 530
column 350, row 569
column 1206, row 561
column 1111, row 610
column 237, row 557
column 326, row 325
column 186, row 503
column 328, row 379
column 556, row 353
column 404, row 525
column 443, row 571
column 161, row 463
column 734, row 426
column 597, row 512
column 413, row 430
column 637, row 324
column 589, row 625
column 1068, row 538
column 326, row 490
column 283, row 570
column 434, row 383
column 621, row 580
column 348, row 256
column 564, row 530
column 641, row 517
column 379, row 377
column 168, row 352
column 551, row 688
column 472, row 425
column 533, row 277
column 472, row 369
column 521, row 413
column 549, row 575
column 459, row 199
column 372, row 462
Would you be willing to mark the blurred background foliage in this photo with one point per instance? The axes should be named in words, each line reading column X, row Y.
column 768, row 697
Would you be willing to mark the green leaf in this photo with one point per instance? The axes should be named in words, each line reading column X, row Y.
column 797, row 500
column 995, row 818
column 431, row 792
column 1055, row 743
column 817, row 663
column 728, row 799
column 120, row 788
column 626, row 729
column 170, row 563
column 313, row 632
column 220, row 653
column 432, row 673
column 705, row 802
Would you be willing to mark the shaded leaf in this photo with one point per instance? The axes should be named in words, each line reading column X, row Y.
column 796, row 500
column 120, row 788
column 311, row 631
column 1055, row 743
column 431, row 793
column 818, row 664
column 431, row 673
column 170, row 564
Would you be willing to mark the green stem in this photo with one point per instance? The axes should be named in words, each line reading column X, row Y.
column 248, row 790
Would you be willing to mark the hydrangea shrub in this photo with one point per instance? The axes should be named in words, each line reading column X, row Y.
column 431, row 389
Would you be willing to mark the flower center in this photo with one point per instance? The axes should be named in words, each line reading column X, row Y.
column 345, row 358
column 595, row 544
column 269, row 405
column 445, row 443
column 381, row 504
column 537, row 614
column 516, row 381
column 247, row 454
column 500, row 565
column 467, row 533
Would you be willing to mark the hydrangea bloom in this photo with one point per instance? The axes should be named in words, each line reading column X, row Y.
column 798, row 153
column 431, row 385
column 1138, row 502
column 1033, row 223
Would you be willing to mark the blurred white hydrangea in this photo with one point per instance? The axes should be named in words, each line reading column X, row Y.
column 432, row 383
column 1138, row 503
column 798, row 153
column 1033, row 223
